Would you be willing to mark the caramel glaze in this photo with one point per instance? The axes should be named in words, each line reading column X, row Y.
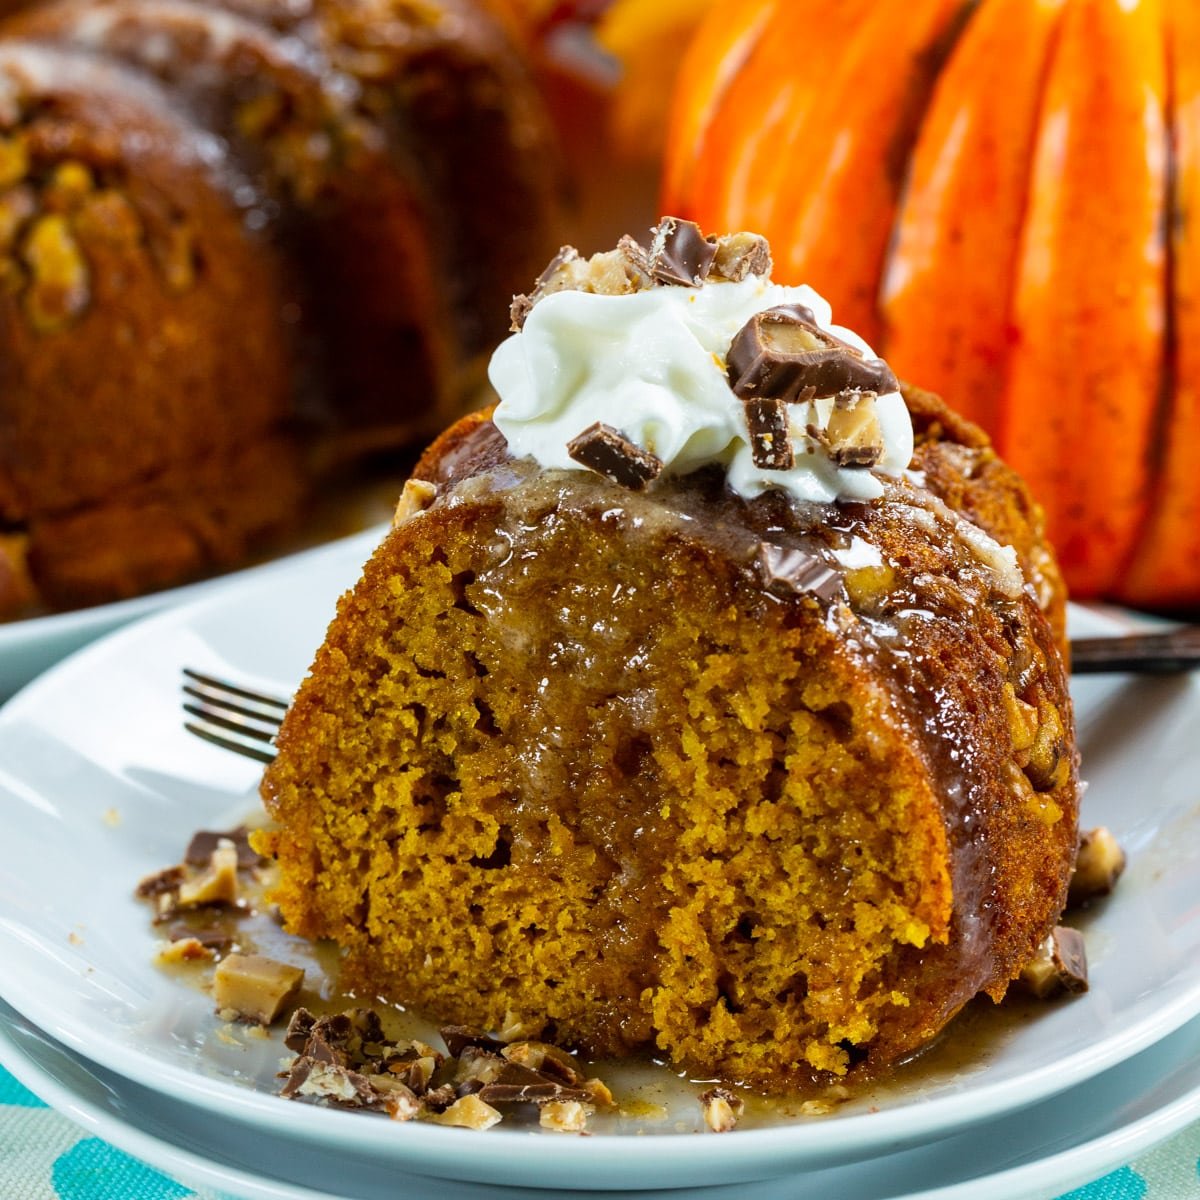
column 965, row 657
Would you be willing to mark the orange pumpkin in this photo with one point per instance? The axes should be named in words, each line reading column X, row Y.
column 1004, row 196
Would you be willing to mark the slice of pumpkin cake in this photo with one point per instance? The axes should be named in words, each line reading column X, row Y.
column 706, row 697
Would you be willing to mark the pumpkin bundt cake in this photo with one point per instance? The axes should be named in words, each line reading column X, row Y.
column 222, row 220
column 706, row 698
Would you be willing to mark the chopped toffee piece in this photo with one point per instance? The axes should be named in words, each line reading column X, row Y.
column 516, row 1084
column 182, row 950
column 1059, row 966
column 740, row 255
column 1098, row 865
column 852, row 436
column 680, row 253
column 608, row 452
column 347, row 1060
column 254, row 987
column 215, row 940
column 218, row 884
column 468, row 1112
column 721, row 1109
column 770, row 445
column 548, row 1059
column 459, row 1037
column 160, row 883
column 611, row 273
column 200, row 849
column 791, row 569
column 564, row 1116
column 782, row 351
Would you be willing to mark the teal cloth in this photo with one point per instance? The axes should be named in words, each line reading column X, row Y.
column 44, row 1157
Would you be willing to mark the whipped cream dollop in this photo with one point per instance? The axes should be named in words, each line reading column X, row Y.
column 652, row 364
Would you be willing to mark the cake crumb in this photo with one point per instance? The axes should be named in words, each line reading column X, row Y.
column 111, row 817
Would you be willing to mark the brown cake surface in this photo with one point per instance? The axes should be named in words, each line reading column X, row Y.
column 769, row 788
column 220, row 219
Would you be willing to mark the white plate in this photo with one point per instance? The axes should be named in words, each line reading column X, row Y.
column 100, row 735
column 28, row 647
column 1036, row 1153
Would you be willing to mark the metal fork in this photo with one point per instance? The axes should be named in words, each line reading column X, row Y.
column 246, row 722
column 232, row 717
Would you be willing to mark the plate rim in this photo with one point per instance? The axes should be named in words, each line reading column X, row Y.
column 1078, row 1164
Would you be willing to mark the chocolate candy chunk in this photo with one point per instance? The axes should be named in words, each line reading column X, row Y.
column 680, row 253
column 459, row 1037
column 1060, row 965
column 740, row 255
column 517, row 1085
column 161, row 883
column 522, row 305
column 608, row 452
column 770, row 445
column 204, row 842
column 1098, row 865
column 786, row 569
column 214, row 939
column 782, row 351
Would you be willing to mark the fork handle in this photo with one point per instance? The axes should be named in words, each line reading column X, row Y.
column 1138, row 653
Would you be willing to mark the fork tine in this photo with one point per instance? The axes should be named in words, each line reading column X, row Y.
column 232, row 717
column 209, row 703
column 221, row 688
column 240, row 727
column 259, row 755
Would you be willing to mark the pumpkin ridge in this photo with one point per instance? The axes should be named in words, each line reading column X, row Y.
column 957, row 236
column 1162, row 567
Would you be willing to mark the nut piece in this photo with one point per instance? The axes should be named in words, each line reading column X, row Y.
column 59, row 280
column 218, row 884
column 256, row 988
column 1060, row 965
column 417, row 496
column 564, row 1116
column 1098, row 865
column 468, row 1112
column 721, row 1109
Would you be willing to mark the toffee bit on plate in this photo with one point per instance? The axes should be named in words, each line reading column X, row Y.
column 722, row 1109
column 1060, row 966
column 254, row 987
column 1099, row 863
column 468, row 1112
column 564, row 1116
column 205, row 841
column 608, row 452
